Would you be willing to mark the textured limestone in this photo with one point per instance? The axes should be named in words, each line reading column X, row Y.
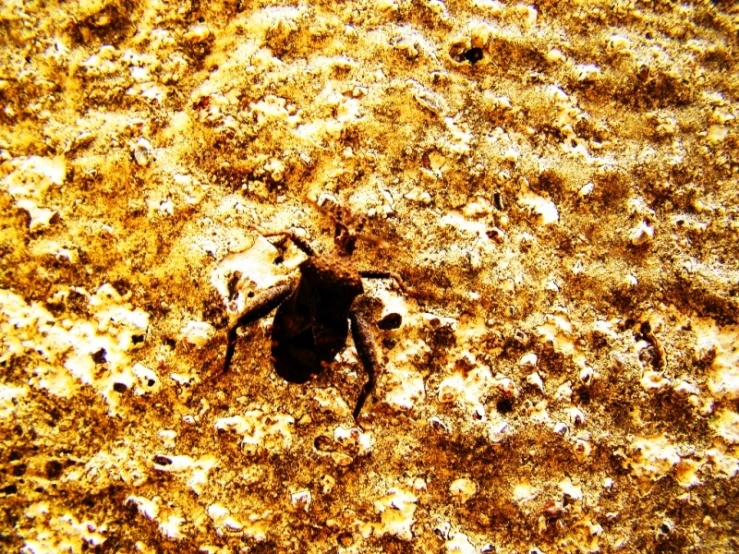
column 554, row 182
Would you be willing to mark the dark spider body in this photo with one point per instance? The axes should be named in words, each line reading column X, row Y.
column 312, row 320
column 311, row 325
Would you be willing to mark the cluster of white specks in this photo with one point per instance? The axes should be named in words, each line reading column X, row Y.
column 224, row 521
column 406, row 387
column 82, row 344
column 329, row 400
column 272, row 432
column 64, row 531
column 195, row 471
column 468, row 390
column 28, row 184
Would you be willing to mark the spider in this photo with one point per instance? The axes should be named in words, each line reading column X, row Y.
column 313, row 314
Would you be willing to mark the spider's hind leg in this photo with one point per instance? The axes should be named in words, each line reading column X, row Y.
column 262, row 305
column 365, row 345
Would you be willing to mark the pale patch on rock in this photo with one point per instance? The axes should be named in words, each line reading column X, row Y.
column 687, row 473
column 354, row 438
column 148, row 508
column 396, row 510
column 258, row 271
column 524, row 492
column 641, row 234
column 545, row 209
column 572, row 491
column 172, row 527
column 406, row 388
column 197, row 333
column 557, row 331
column 329, row 400
column 723, row 345
column 52, row 533
column 301, row 499
column 9, row 396
column 654, row 457
column 460, row 544
column 463, row 488
column 724, row 462
column 225, row 522
column 654, row 381
column 726, row 426
column 468, row 391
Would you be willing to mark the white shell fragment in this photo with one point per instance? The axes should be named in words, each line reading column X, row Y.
column 463, row 488
column 641, row 234
column 142, row 152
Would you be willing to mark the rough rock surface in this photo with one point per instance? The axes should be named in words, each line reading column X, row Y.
column 556, row 180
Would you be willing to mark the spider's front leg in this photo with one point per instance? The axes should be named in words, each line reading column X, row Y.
column 262, row 304
column 365, row 345
column 299, row 241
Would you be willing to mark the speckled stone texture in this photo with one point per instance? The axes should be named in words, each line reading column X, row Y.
column 556, row 184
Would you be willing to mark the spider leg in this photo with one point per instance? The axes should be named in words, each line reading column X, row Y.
column 263, row 303
column 379, row 274
column 365, row 345
column 299, row 241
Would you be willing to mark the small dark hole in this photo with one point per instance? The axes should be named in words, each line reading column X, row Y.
column 162, row 460
column 150, row 382
column 388, row 343
column 504, row 406
column 279, row 260
column 14, row 455
column 53, row 469
column 250, row 294
column 120, row 387
column 10, row 489
column 19, row 470
column 137, row 339
column 322, row 443
column 171, row 343
column 390, row 321
column 99, row 357
column 583, row 394
column 473, row 55
column 664, row 528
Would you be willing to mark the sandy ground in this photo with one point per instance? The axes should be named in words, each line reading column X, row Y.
column 556, row 181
